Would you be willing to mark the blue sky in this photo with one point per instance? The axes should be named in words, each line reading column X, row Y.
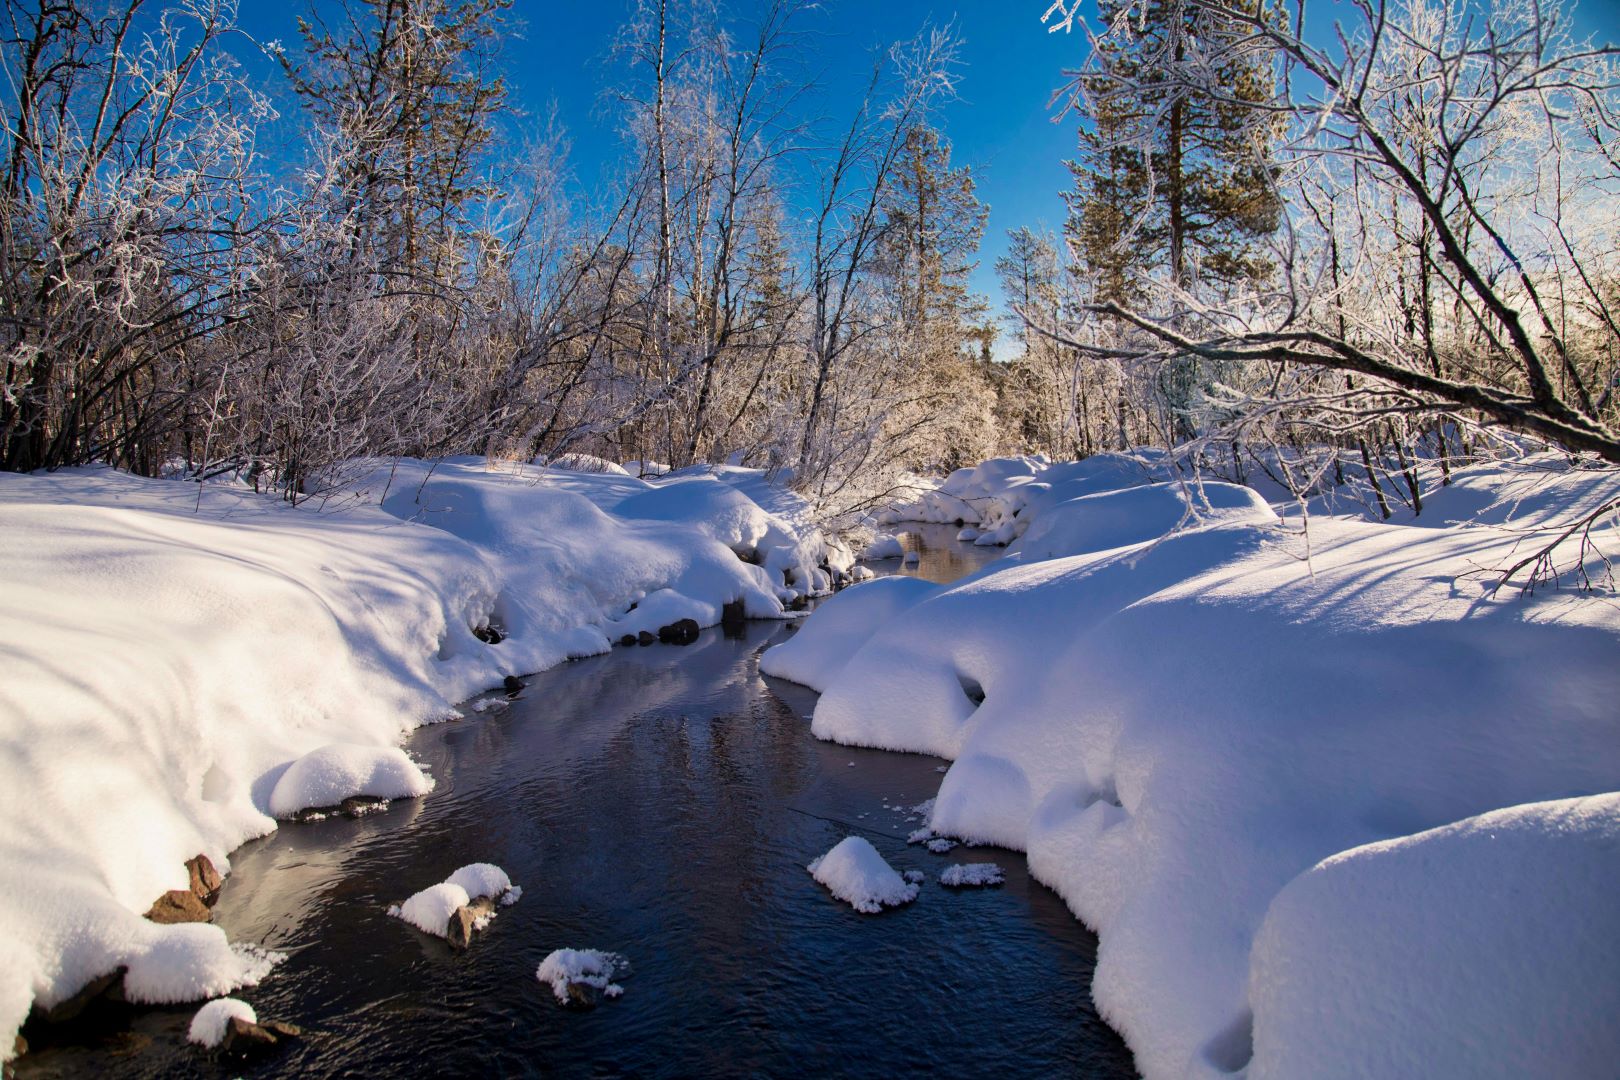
column 1000, row 125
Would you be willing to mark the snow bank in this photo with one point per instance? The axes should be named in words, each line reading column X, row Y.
column 185, row 663
column 855, row 873
column 1175, row 729
column 564, row 968
column 208, row 1026
column 1492, row 945
column 841, row 626
column 328, row 775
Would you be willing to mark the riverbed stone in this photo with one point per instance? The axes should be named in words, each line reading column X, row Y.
column 206, row 880
column 464, row 921
column 245, row 1037
column 646, row 637
column 179, row 906
column 69, row 1008
column 680, row 632
column 513, row 684
column 358, row 805
column 733, row 617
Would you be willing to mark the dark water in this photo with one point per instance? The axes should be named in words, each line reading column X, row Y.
column 661, row 803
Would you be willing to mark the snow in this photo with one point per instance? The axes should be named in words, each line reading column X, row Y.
column 430, row 910
column 329, row 774
column 855, row 873
column 482, row 879
column 185, row 663
column 1176, row 728
column 975, row 873
column 841, row 626
column 884, row 546
column 1497, row 937
column 208, row 1026
column 590, row 967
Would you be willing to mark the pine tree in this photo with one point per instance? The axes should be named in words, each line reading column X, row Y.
column 1169, row 178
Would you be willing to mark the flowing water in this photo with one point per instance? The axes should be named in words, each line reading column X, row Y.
column 660, row 803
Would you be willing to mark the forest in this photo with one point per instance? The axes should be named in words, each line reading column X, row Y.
column 1309, row 255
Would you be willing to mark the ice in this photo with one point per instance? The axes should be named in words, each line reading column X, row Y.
column 1183, row 710
column 939, row 845
column 587, row 967
column 977, row 873
column 328, row 775
column 208, row 1026
column 855, row 873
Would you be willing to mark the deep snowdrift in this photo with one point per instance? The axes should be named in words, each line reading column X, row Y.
column 1175, row 729
column 181, row 667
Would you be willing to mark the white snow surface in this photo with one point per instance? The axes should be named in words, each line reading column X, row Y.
column 329, row 774
column 855, row 873
column 176, row 660
column 591, row 967
column 884, row 546
column 1486, row 948
column 973, row 873
column 843, row 622
column 1176, row 728
column 430, row 910
column 208, row 1026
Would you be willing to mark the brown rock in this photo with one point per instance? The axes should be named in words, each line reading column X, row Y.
column 71, row 1007
column 179, row 906
column 733, row 618
column 206, row 881
column 357, row 805
column 282, row 1030
column 679, row 632
column 245, row 1037
column 20, row 1047
column 646, row 637
column 460, row 931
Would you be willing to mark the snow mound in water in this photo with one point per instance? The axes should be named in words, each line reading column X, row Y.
column 855, row 873
column 588, row 967
column 337, row 771
column 481, row 879
column 208, row 1026
column 884, row 546
column 1410, row 944
column 842, row 624
column 430, row 910
column 974, row 873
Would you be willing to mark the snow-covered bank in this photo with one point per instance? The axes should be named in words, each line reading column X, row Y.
column 1178, row 730
column 182, row 666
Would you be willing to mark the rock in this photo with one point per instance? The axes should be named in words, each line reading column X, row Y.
column 646, row 638
column 71, row 1007
column 206, row 881
column 464, row 921
column 513, row 684
column 245, row 1037
column 282, row 1030
column 489, row 634
column 733, row 618
column 798, row 603
column 19, row 1047
column 358, row 805
column 179, row 906
column 680, row 632
column 628, row 639
column 460, row 931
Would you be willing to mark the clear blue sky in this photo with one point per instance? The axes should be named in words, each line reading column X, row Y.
column 1001, row 125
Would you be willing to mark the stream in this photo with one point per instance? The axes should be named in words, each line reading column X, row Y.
column 661, row 803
